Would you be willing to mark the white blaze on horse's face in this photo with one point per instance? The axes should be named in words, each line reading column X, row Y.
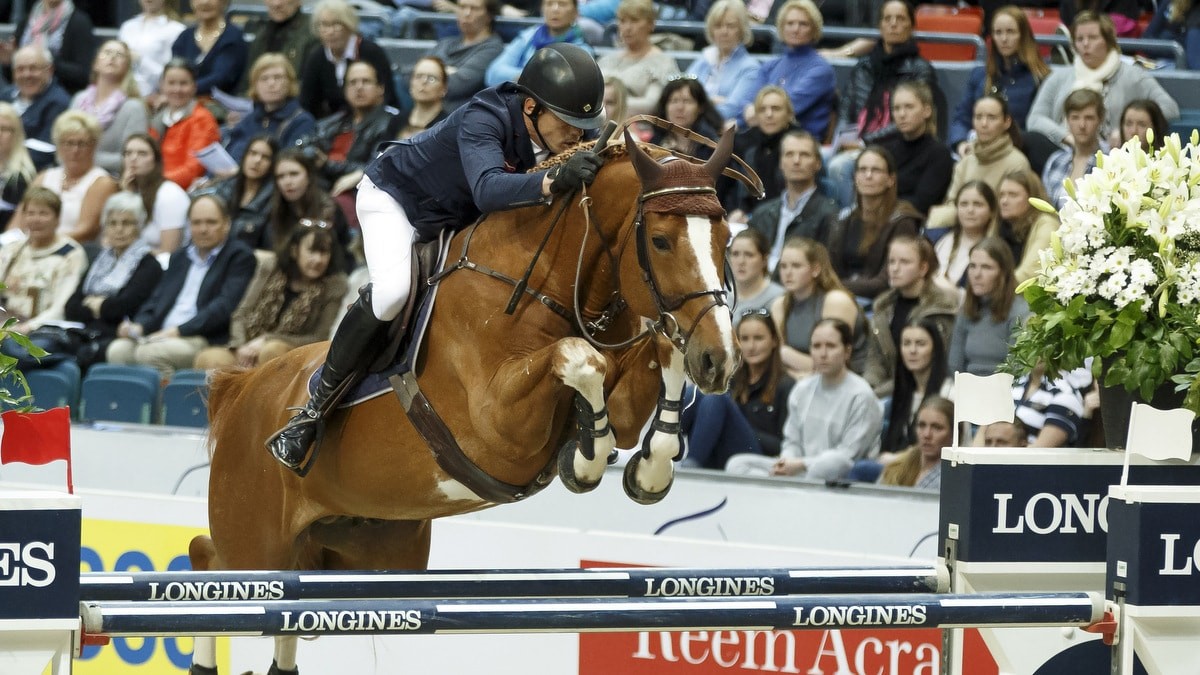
column 700, row 236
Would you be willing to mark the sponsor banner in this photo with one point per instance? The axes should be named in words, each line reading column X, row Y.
column 39, row 551
column 1156, row 554
column 115, row 546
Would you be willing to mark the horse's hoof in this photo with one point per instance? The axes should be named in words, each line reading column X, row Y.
column 201, row 670
column 566, row 470
column 275, row 670
column 637, row 494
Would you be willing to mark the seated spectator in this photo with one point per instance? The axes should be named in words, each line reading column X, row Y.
column 190, row 308
column 912, row 296
column 62, row 30
column 801, row 210
column 468, row 54
column 248, row 195
column 1084, row 110
column 615, row 95
column 41, row 270
column 183, row 126
column 1098, row 66
column 759, row 146
column 1031, row 227
column 992, row 311
column 296, row 305
column 750, row 417
column 833, row 419
column 164, row 201
column 344, row 142
column 323, row 78
column 38, row 98
column 1178, row 21
column 286, row 30
column 1051, row 409
column 427, row 89
column 1005, row 435
column 150, row 36
column 748, row 259
column 814, row 293
column 920, row 374
column 728, row 72
column 122, row 277
column 1141, row 116
column 804, row 74
column 1013, row 73
column 112, row 98
column 920, row 466
column 642, row 66
column 276, row 112
column 16, row 166
column 299, row 201
column 559, row 25
column 992, row 154
column 858, row 242
column 923, row 164
column 977, row 215
column 216, row 49
column 685, row 104
column 82, row 186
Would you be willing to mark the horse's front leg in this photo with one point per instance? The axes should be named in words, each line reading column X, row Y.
column 582, row 368
column 650, row 472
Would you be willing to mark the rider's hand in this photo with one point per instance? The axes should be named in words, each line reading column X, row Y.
column 578, row 171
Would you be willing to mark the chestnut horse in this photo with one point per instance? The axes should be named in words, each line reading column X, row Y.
column 504, row 383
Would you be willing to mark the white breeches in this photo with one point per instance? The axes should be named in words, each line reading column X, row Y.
column 387, row 244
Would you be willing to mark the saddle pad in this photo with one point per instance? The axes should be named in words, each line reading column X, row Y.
column 377, row 384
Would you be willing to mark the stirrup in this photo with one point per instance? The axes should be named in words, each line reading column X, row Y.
column 304, row 417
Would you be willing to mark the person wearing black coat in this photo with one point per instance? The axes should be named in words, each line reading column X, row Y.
column 73, row 53
column 321, row 90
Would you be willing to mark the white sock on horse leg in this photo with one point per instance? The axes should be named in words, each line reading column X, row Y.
column 204, row 652
column 654, row 473
column 583, row 370
column 285, row 652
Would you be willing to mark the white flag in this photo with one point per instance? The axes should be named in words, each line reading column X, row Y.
column 1158, row 435
column 983, row 400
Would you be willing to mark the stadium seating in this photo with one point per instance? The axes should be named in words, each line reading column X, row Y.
column 185, row 399
column 113, row 393
column 947, row 19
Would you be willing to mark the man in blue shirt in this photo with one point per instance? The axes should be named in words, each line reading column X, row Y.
column 471, row 163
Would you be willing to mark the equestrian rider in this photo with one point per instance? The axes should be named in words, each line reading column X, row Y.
column 473, row 162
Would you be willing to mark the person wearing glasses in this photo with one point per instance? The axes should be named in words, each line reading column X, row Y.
column 475, row 161
column 323, row 77
column 427, row 89
column 293, row 305
column 38, row 98
column 65, row 32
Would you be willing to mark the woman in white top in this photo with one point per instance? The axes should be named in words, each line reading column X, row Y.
column 39, row 272
column 641, row 66
column 165, row 202
column 112, row 98
column 977, row 217
column 82, row 186
column 150, row 36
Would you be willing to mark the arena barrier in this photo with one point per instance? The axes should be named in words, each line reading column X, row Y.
column 541, row 615
column 526, row 583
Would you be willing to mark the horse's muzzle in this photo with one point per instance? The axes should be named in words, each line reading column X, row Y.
column 710, row 368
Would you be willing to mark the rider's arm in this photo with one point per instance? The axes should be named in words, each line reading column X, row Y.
column 481, row 138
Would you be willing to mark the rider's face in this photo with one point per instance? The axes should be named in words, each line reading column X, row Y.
column 558, row 134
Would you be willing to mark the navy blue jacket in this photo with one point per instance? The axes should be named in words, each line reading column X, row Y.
column 287, row 124
column 38, row 118
column 225, row 63
column 471, row 163
column 220, row 292
column 1016, row 84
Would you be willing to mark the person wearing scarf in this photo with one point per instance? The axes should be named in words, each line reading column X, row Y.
column 66, row 33
column 112, row 98
column 559, row 26
column 1098, row 67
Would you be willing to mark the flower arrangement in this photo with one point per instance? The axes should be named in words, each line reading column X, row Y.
column 1121, row 278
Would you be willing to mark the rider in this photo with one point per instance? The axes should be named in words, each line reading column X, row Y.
column 472, row 162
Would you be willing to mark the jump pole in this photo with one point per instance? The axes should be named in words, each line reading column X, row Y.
column 525, row 583
column 541, row 615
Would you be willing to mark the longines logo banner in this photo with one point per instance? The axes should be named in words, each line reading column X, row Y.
column 39, row 564
column 1159, row 558
column 1038, row 513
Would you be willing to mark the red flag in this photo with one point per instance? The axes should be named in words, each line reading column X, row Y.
column 37, row 438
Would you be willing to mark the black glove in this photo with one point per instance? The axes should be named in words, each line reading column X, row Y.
column 578, row 171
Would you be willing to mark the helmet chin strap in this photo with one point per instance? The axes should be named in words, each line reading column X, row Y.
column 533, row 118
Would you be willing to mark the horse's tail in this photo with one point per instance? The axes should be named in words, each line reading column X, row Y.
column 224, row 387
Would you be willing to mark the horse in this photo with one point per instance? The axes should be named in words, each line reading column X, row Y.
column 640, row 262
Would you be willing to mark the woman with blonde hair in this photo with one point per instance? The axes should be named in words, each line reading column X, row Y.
column 1031, row 227
column 803, row 73
column 920, row 465
column 727, row 71
column 276, row 112
column 82, row 186
column 16, row 166
column 113, row 99
column 924, row 165
column 322, row 82
column 641, row 65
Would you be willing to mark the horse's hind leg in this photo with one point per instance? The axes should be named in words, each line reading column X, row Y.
column 583, row 368
column 204, row 649
column 285, row 656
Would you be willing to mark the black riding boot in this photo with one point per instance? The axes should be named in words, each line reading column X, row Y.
column 350, row 351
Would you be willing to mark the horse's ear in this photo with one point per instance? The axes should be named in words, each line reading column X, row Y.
column 648, row 170
column 721, row 155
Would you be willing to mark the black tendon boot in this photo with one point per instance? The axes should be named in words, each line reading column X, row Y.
column 350, row 352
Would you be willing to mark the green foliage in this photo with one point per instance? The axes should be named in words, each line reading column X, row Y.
column 11, row 377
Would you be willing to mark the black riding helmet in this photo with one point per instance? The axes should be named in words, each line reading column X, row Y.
column 565, row 79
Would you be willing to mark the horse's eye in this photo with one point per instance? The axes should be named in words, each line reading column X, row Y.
column 661, row 243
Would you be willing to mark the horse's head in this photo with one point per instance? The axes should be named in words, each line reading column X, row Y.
column 681, row 237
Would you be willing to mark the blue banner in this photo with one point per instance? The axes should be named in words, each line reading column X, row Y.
column 39, row 564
